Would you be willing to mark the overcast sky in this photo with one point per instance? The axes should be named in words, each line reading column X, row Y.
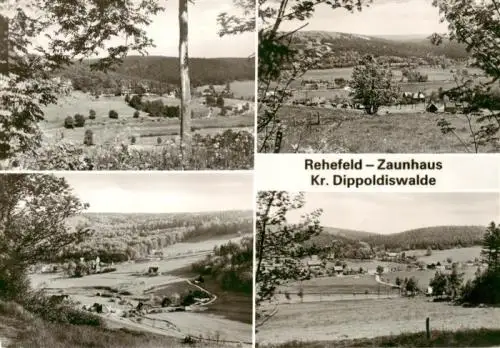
column 383, row 17
column 203, row 38
column 396, row 212
column 156, row 192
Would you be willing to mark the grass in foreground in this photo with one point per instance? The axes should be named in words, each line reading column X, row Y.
column 229, row 150
column 461, row 338
column 20, row 328
column 361, row 133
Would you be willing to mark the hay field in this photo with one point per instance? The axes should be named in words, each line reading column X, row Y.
column 330, row 321
column 361, row 133
column 145, row 129
column 335, row 285
column 457, row 255
column 434, row 74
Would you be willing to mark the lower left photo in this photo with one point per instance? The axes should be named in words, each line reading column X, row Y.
column 126, row 259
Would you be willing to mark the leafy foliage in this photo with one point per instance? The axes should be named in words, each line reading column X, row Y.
column 475, row 24
column 231, row 265
column 280, row 245
column 280, row 64
column 373, row 85
column 484, row 288
column 113, row 114
column 79, row 120
column 227, row 150
column 491, row 247
column 447, row 284
column 33, row 213
column 74, row 30
column 120, row 237
column 242, row 22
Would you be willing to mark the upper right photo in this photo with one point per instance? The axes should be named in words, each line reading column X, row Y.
column 384, row 76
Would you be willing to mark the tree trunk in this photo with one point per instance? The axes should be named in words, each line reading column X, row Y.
column 371, row 109
column 185, row 109
column 4, row 45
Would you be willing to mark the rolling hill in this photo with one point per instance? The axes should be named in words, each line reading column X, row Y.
column 352, row 45
column 164, row 70
column 359, row 244
column 436, row 237
column 350, row 234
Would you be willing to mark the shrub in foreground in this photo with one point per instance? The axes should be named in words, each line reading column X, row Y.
column 41, row 306
column 229, row 150
column 113, row 114
column 92, row 114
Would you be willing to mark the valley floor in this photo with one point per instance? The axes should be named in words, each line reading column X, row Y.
column 209, row 323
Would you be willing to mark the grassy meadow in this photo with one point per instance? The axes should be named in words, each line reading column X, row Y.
column 352, row 131
column 145, row 129
column 370, row 318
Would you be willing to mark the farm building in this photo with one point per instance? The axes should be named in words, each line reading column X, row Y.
column 390, row 256
column 314, row 264
column 338, row 270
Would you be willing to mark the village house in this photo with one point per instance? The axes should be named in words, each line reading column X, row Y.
column 339, row 270
column 314, row 265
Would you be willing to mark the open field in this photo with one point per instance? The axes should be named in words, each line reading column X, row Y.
column 435, row 74
column 456, row 255
column 439, row 338
column 360, row 133
column 146, row 129
column 340, row 285
column 369, row 318
column 241, row 89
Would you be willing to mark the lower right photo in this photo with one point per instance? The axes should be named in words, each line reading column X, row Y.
column 377, row 269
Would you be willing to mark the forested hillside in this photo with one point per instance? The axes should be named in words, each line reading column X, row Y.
column 352, row 244
column 164, row 70
column 346, row 49
column 119, row 237
column 352, row 234
column 341, row 247
column 436, row 237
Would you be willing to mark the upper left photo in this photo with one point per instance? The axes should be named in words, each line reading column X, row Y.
column 127, row 85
